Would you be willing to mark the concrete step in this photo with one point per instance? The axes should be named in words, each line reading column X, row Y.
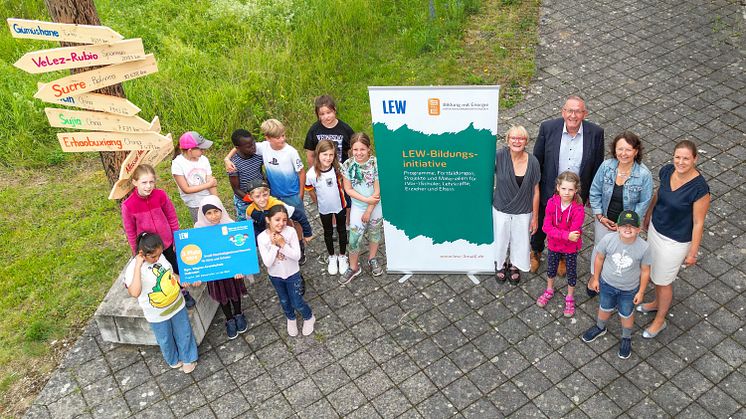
column 120, row 319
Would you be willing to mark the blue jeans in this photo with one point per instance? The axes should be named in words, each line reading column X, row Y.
column 299, row 214
column 612, row 297
column 176, row 339
column 288, row 290
column 241, row 206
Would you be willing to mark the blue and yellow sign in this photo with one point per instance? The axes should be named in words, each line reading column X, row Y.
column 216, row 252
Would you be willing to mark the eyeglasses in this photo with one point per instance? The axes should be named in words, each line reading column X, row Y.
column 518, row 138
column 574, row 111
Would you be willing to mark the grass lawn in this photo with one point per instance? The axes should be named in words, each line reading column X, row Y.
column 223, row 64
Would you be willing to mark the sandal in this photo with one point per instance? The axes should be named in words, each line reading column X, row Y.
column 500, row 273
column 515, row 275
column 569, row 306
column 543, row 300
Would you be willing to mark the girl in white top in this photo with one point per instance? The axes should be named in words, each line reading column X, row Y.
column 280, row 251
column 324, row 184
column 192, row 171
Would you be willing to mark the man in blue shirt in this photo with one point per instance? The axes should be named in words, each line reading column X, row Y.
column 567, row 143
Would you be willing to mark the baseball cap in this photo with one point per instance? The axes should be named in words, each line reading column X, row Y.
column 192, row 139
column 256, row 183
column 628, row 218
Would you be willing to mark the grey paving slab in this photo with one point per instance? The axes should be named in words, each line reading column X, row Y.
column 439, row 346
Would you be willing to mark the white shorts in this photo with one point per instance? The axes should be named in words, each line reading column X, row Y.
column 512, row 231
column 668, row 255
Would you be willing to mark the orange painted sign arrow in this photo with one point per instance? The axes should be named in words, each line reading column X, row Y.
column 83, row 56
column 88, row 81
column 72, row 142
column 99, row 121
column 64, row 32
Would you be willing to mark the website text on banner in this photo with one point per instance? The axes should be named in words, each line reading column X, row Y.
column 436, row 161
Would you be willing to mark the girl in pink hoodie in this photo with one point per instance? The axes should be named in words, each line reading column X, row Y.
column 563, row 224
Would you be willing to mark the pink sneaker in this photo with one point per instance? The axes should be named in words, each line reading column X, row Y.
column 569, row 306
column 543, row 299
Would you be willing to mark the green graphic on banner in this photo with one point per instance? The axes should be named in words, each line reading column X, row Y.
column 437, row 185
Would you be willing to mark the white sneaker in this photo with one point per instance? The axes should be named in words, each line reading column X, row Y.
column 343, row 263
column 293, row 327
column 332, row 265
column 308, row 325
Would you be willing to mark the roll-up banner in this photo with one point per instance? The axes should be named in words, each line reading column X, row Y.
column 436, row 163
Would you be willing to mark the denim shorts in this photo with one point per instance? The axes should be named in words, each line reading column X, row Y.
column 611, row 298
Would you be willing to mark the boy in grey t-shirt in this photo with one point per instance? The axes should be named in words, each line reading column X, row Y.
column 622, row 272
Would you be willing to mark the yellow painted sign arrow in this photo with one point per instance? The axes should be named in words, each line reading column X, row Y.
column 99, row 121
column 83, row 56
column 88, row 81
column 72, row 142
column 64, row 32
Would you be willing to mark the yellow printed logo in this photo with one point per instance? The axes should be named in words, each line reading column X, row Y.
column 191, row 254
column 433, row 106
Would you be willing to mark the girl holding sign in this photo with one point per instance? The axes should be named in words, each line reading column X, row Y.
column 227, row 292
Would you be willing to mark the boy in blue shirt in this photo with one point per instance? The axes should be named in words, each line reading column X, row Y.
column 243, row 167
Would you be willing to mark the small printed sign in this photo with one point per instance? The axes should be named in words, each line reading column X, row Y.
column 62, row 32
column 216, row 252
column 83, row 56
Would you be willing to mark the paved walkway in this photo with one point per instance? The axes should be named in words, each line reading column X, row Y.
column 438, row 346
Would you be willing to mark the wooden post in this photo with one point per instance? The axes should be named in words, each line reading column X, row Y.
column 83, row 12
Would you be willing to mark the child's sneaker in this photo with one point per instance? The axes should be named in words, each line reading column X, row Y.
column 332, row 267
column 594, row 332
column 347, row 276
column 625, row 348
column 543, row 299
column 188, row 368
column 292, row 327
column 303, row 259
column 230, row 328
column 375, row 267
column 343, row 263
column 177, row 365
column 241, row 324
column 308, row 325
column 569, row 306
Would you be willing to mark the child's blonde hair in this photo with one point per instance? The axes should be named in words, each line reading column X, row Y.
column 143, row 169
column 272, row 128
column 568, row 176
column 321, row 147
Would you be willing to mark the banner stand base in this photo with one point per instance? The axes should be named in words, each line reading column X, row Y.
column 472, row 277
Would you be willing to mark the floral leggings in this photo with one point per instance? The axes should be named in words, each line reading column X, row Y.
column 374, row 227
column 571, row 259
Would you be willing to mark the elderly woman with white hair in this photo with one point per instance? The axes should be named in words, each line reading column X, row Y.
column 515, row 205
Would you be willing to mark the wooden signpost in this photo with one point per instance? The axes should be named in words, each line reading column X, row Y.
column 73, row 142
column 62, row 32
column 117, row 127
column 101, row 121
column 89, row 81
column 97, row 102
column 83, row 56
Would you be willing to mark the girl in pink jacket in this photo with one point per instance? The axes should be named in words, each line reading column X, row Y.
column 563, row 224
column 148, row 209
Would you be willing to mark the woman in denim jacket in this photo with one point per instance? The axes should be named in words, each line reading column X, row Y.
column 622, row 183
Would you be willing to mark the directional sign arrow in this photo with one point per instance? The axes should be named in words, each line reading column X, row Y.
column 83, row 56
column 97, row 101
column 156, row 156
column 65, row 32
column 100, row 121
column 109, row 141
column 88, row 81
column 121, row 189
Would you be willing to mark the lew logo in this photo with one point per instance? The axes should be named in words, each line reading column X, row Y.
column 433, row 106
column 394, row 106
